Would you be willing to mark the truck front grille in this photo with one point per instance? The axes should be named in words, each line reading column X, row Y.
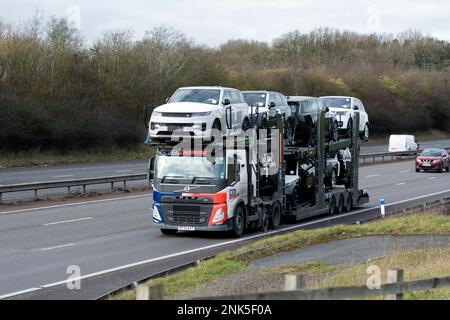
column 188, row 215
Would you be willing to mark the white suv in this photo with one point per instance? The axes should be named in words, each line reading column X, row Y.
column 195, row 111
column 267, row 101
column 344, row 108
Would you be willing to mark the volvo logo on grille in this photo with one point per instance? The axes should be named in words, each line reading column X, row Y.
column 187, row 189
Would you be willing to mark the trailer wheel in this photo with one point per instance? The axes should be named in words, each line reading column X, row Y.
column 340, row 206
column 168, row 231
column 238, row 222
column 265, row 223
column 275, row 220
column 332, row 205
column 349, row 203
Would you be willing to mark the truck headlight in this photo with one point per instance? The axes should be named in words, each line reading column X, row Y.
column 156, row 214
column 220, row 215
column 157, row 114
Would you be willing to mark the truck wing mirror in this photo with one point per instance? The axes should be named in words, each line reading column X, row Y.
column 272, row 104
column 226, row 102
column 151, row 169
column 355, row 108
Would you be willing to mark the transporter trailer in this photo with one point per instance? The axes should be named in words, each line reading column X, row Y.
column 251, row 182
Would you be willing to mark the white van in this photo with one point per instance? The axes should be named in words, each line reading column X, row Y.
column 399, row 143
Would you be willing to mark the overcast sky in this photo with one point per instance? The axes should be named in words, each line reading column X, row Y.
column 213, row 22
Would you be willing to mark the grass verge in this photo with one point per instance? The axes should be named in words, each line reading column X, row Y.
column 417, row 264
column 238, row 260
column 48, row 158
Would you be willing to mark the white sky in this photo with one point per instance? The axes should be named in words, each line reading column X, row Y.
column 213, row 22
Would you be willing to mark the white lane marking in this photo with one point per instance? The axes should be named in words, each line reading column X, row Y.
column 66, row 176
column 404, row 171
column 74, row 204
column 67, row 221
column 123, row 171
column 401, row 184
column 372, row 176
column 58, row 247
column 219, row 244
column 9, row 295
column 431, row 178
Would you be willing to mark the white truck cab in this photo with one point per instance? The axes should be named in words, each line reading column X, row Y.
column 197, row 111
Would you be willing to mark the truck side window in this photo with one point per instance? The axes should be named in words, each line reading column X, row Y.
column 227, row 95
column 231, row 173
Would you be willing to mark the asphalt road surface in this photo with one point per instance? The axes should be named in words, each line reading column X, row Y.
column 37, row 246
column 70, row 172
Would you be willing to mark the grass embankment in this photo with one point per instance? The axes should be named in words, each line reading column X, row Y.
column 238, row 260
column 48, row 158
column 417, row 264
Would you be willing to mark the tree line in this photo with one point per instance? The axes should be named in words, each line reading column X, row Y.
column 59, row 92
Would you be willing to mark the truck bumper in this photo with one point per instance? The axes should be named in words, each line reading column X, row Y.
column 226, row 226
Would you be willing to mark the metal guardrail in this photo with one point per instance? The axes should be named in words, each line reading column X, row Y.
column 35, row 186
column 390, row 156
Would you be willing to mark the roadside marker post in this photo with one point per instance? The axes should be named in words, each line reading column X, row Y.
column 382, row 207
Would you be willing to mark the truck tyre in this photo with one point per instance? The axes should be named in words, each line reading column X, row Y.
column 332, row 208
column 340, row 206
column 349, row 203
column 275, row 219
column 238, row 222
column 168, row 232
column 265, row 222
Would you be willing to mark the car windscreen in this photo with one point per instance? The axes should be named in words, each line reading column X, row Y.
column 207, row 96
column 189, row 167
column 432, row 153
column 344, row 103
column 253, row 98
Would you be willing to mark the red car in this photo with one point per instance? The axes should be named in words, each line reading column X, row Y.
column 433, row 159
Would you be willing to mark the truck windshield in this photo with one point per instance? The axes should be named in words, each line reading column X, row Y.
column 253, row 98
column 344, row 103
column 206, row 96
column 189, row 167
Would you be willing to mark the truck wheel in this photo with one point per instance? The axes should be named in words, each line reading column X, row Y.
column 265, row 223
column 340, row 206
column 168, row 231
column 238, row 222
column 332, row 208
column 349, row 203
column 275, row 219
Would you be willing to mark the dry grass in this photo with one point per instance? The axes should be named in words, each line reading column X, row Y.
column 417, row 264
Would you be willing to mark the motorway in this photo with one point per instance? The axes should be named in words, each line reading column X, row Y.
column 71, row 172
column 113, row 243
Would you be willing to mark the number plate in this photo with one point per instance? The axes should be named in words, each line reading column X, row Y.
column 186, row 229
column 427, row 165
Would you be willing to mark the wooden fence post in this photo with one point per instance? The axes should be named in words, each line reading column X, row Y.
column 294, row 282
column 395, row 276
column 149, row 292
